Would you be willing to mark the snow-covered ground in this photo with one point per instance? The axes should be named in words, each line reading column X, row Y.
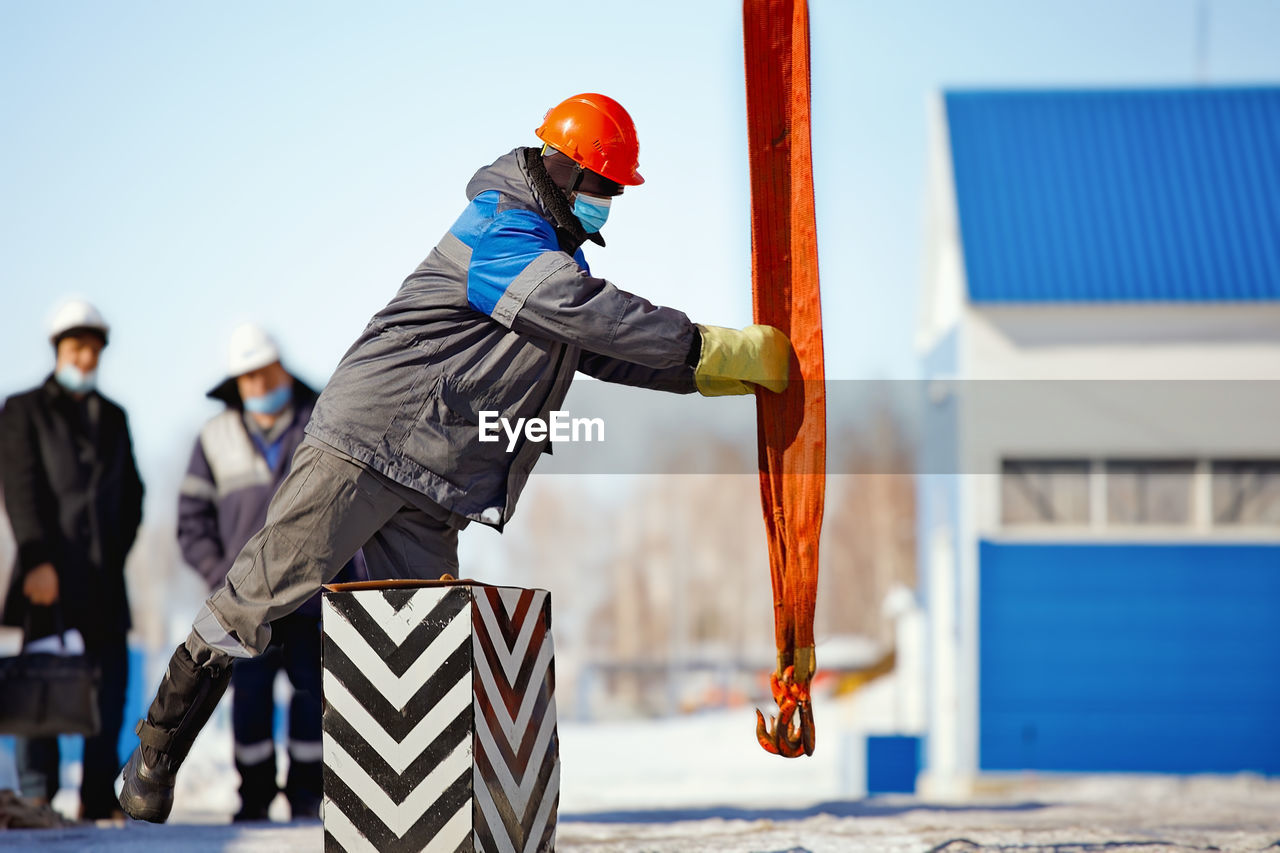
column 690, row 761
column 1064, row 815
column 712, row 759
column 699, row 783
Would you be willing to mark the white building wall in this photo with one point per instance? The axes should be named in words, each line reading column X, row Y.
column 1184, row 391
column 942, row 305
column 1200, row 341
column 1093, row 382
column 950, row 747
column 1108, row 381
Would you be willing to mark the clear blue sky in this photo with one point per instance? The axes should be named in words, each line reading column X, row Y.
column 187, row 166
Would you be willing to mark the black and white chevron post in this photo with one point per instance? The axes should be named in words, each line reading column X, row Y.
column 439, row 719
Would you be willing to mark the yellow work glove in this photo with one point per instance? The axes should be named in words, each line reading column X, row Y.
column 733, row 360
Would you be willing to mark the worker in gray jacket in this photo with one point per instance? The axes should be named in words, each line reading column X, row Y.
column 499, row 317
column 239, row 460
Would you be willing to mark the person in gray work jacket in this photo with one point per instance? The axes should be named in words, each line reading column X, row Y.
column 498, row 317
column 239, row 460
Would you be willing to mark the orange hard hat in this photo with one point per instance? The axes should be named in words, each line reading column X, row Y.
column 597, row 134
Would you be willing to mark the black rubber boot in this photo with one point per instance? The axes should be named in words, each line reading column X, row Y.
column 257, row 789
column 187, row 696
column 304, row 788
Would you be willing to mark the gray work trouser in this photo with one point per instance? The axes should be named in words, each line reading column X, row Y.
column 327, row 508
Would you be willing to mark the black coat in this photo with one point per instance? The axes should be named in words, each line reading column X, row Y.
column 74, row 499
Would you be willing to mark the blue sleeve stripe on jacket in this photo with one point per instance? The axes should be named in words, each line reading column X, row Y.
column 475, row 218
column 512, row 241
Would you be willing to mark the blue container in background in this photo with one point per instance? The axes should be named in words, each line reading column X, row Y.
column 893, row 762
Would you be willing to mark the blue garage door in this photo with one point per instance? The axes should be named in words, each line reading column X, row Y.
column 1139, row 658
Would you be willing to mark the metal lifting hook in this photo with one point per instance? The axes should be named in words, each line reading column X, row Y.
column 791, row 733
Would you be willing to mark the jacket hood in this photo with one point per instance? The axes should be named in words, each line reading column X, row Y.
column 512, row 175
column 507, row 176
column 227, row 392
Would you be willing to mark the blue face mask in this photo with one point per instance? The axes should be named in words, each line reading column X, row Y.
column 76, row 380
column 591, row 212
column 270, row 402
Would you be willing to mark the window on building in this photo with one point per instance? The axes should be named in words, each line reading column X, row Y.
column 1044, row 491
column 1150, row 491
column 1246, row 492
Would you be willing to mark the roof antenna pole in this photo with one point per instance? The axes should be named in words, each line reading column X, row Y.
column 1202, row 42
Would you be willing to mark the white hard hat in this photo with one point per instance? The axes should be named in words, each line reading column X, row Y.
column 76, row 314
column 251, row 348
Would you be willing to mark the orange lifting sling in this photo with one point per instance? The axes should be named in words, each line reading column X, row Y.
column 784, row 282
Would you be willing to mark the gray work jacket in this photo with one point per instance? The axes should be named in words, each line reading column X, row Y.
column 497, row 318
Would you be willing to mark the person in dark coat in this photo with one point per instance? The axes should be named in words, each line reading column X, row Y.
column 74, row 500
column 238, row 461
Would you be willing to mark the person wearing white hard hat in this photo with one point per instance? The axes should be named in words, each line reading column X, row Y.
column 74, row 500
column 239, row 459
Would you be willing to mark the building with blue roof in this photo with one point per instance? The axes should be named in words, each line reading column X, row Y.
column 1099, row 496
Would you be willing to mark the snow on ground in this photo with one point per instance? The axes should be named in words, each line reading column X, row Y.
column 1064, row 815
column 700, row 784
column 1023, row 814
column 712, row 758
column 703, row 759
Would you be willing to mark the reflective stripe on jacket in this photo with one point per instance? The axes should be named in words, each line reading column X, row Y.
column 224, row 496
